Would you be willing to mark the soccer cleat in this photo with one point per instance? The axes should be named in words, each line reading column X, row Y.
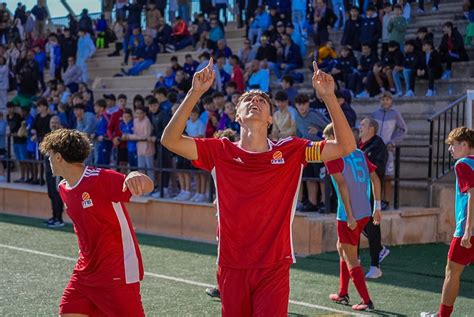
column 343, row 300
column 213, row 292
column 56, row 224
column 410, row 93
column 50, row 220
column 374, row 273
column 383, row 254
column 363, row 306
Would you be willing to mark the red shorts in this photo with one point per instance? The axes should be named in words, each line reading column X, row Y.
column 460, row 254
column 254, row 292
column 348, row 236
column 117, row 300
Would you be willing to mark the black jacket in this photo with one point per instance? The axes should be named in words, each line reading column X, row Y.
column 434, row 62
column 377, row 153
column 351, row 35
column 458, row 45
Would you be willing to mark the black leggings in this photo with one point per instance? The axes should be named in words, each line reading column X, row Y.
column 53, row 194
column 373, row 234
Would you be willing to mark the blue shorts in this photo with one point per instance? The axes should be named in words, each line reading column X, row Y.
column 20, row 151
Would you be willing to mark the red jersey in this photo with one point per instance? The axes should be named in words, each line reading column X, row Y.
column 256, row 198
column 108, row 247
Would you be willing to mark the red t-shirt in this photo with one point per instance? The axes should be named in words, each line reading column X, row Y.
column 465, row 176
column 256, row 198
column 238, row 78
column 108, row 248
column 337, row 166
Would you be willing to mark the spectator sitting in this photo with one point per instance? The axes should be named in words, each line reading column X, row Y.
column 284, row 124
column 351, row 34
column 392, row 59
column 230, row 90
column 397, row 26
column 387, row 17
column 291, row 58
column 135, row 40
column 287, row 86
column 199, row 31
column 126, row 127
column 309, row 125
column 393, row 130
column 224, row 75
column 237, row 75
column 175, row 66
column 218, row 101
column 142, row 131
column 102, row 146
column 451, row 48
column 257, row 78
column 297, row 38
column 182, row 83
column 371, row 29
column 358, row 80
column 146, row 57
column 215, row 34
column 228, row 119
column 408, row 68
column 266, row 51
column 429, row 67
column 3, row 84
column 422, row 35
column 326, row 56
column 72, row 76
column 180, row 37
column 222, row 49
column 345, row 65
column 277, row 35
column 163, row 36
column 349, row 112
column 247, row 54
column 190, row 65
column 258, row 25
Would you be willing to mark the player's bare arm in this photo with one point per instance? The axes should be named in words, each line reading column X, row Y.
column 172, row 137
column 138, row 184
column 377, row 191
column 342, row 185
column 466, row 238
column 344, row 142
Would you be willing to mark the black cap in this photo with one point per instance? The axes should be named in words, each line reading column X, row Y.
column 109, row 96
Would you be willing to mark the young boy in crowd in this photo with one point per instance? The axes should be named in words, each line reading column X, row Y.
column 406, row 70
column 126, row 127
column 284, row 124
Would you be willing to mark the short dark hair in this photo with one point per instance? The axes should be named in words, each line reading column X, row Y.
column 152, row 100
column 79, row 106
column 162, row 91
column 301, row 98
column 217, row 94
column 207, row 100
column 449, row 24
column 122, row 96
column 174, row 58
column 42, row 102
column 74, row 146
column 281, row 96
column 101, row 103
column 232, row 84
column 128, row 111
column 289, row 79
column 397, row 6
column 428, row 42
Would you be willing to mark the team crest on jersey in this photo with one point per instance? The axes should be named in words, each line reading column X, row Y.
column 86, row 200
column 278, row 158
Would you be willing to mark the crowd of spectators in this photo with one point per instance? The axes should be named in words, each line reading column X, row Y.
column 127, row 132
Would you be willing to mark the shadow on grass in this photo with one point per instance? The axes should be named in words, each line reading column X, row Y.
column 418, row 267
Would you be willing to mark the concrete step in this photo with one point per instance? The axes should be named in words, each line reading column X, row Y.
column 419, row 104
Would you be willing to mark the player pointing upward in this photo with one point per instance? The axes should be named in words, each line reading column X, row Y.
column 257, row 184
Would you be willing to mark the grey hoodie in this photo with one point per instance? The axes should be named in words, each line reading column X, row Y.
column 392, row 127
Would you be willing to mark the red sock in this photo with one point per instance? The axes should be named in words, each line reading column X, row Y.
column 359, row 282
column 445, row 311
column 344, row 277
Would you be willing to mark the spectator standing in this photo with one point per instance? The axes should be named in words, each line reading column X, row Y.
column 86, row 121
column 27, row 71
column 102, row 146
column 349, row 112
column 101, row 29
column 134, row 16
column 85, row 22
column 371, row 29
column 73, row 75
column 352, row 28
column 284, row 124
column 4, row 84
column 68, row 48
column 126, row 127
column 196, row 129
column 430, row 67
column 119, row 32
column 221, row 5
column 397, row 26
column 54, row 50
column 393, row 130
column 19, row 134
column 41, row 14
column 324, row 18
column 85, row 50
column 451, row 48
column 388, row 14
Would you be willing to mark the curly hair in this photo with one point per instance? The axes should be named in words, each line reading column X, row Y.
column 74, row 146
column 461, row 134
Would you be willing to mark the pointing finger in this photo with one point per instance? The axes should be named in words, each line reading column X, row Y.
column 124, row 188
column 315, row 67
column 211, row 63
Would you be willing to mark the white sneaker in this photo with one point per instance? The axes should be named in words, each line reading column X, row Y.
column 383, row 254
column 430, row 93
column 428, row 314
column 374, row 273
column 186, row 196
column 3, row 179
column 178, row 197
column 202, row 198
column 409, row 93
column 156, row 194
column 399, row 94
column 196, row 196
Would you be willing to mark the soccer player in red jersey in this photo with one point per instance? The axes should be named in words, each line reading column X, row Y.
column 257, row 184
column 106, row 278
column 461, row 251
column 352, row 177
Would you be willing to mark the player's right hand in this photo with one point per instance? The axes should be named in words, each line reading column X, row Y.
column 203, row 79
column 351, row 223
column 466, row 240
column 377, row 217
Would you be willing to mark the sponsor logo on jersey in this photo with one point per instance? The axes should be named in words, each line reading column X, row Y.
column 86, row 200
column 278, row 158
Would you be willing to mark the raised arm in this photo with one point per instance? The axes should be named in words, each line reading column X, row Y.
column 344, row 142
column 172, row 137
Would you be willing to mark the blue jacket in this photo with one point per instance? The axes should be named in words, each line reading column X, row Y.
column 40, row 58
column 127, row 128
column 131, row 40
column 101, row 25
column 371, row 30
column 101, row 126
column 57, row 55
column 262, row 21
column 85, row 47
column 293, row 56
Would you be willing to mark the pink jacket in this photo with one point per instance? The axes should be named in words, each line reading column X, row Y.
column 141, row 131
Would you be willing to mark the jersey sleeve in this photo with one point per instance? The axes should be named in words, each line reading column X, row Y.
column 113, row 185
column 335, row 166
column 208, row 151
column 370, row 165
column 314, row 150
column 465, row 176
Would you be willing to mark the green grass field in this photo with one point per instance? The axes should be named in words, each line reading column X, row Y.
column 36, row 263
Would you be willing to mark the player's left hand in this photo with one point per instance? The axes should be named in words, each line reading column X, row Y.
column 377, row 217
column 466, row 240
column 138, row 184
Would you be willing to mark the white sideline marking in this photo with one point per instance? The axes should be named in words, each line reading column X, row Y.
column 175, row 279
